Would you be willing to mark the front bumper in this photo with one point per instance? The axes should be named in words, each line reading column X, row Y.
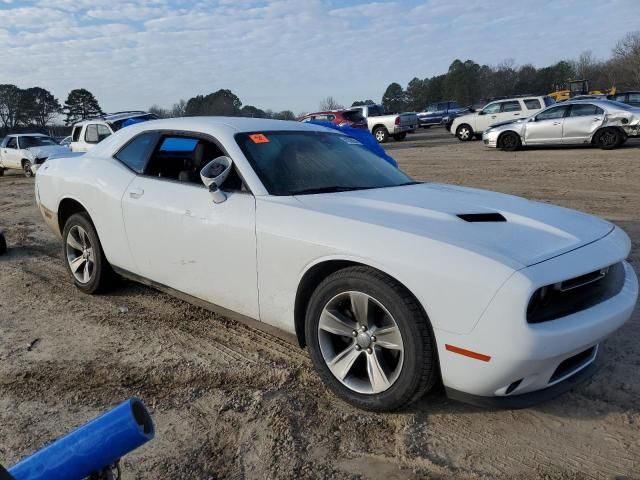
column 524, row 357
column 490, row 139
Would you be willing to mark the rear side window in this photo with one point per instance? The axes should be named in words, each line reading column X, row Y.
column 511, row 106
column 553, row 113
column 585, row 109
column 91, row 134
column 548, row 101
column 353, row 116
column 103, row 132
column 532, row 104
column 135, row 153
column 634, row 98
column 75, row 136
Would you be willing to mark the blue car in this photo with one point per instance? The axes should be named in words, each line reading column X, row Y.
column 440, row 113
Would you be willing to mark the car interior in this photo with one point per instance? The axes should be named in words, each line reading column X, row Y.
column 182, row 159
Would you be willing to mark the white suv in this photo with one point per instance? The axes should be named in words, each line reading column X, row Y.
column 88, row 133
column 466, row 127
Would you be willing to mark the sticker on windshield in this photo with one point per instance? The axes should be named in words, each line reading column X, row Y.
column 350, row 140
column 259, row 138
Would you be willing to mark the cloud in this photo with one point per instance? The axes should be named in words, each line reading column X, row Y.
column 284, row 53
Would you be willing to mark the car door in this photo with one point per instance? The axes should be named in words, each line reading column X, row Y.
column 180, row 238
column 582, row 120
column 487, row 116
column 11, row 155
column 510, row 110
column 546, row 126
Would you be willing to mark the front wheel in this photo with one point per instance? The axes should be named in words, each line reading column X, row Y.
column 381, row 134
column 26, row 167
column 1, row 172
column 369, row 340
column 609, row 138
column 400, row 136
column 84, row 257
column 464, row 133
column 509, row 142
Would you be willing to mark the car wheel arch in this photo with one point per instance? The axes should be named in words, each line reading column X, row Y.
column 314, row 275
column 601, row 129
column 69, row 206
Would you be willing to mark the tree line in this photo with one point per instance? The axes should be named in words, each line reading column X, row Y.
column 469, row 83
column 222, row 102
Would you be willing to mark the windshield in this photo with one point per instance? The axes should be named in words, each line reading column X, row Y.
column 28, row 142
column 298, row 163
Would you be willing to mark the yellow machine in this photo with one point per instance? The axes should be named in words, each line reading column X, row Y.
column 578, row 87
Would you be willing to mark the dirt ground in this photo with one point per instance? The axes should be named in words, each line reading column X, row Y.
column 233, row 402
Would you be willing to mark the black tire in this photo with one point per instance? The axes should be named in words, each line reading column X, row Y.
column 3, row 243
column 381, row 134
column 419, row 369
column 509, row 142
column 102, row 276
column 426, row 126
column 1, row 172
column 464, row 132
column 398, row 137
column 609, row 138
column 26, row 167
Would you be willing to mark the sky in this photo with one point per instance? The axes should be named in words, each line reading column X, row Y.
column 285, row 54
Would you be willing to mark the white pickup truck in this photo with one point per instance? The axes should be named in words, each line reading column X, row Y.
column 382, row 126
column 88, row 133
column 27, row 151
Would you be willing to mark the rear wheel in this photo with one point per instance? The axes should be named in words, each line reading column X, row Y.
column 1, row 172
column 369, row 340
column 84, row 256
column 509, row 142
column 381, row 134
column 400, row 136
column 464, row 132
column 609, row 138
column 26, row 167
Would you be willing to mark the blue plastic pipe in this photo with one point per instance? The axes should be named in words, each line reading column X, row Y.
column 92, row 447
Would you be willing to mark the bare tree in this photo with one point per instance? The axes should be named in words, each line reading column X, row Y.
column 330, row 103
column 179, row 109
column 159, row 111
column 627, row 57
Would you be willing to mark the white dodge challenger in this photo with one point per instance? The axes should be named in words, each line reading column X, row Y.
column 392, row 284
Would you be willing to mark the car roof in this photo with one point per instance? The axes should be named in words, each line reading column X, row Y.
column 234, row 124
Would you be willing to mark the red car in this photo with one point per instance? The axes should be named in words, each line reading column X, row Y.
column 353, row 118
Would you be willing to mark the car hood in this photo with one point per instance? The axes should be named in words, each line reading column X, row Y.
column 46, row 151
column 533, row 232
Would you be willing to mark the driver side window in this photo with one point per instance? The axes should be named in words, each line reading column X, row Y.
column 12, row 143
column 552, row 113
column 492, row 108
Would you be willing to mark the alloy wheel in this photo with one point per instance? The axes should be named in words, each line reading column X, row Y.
column 80, row 254
column 379, row 135
column 360, row 342
column 464, row 133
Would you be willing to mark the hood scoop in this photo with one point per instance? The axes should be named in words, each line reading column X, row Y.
column 482, row 217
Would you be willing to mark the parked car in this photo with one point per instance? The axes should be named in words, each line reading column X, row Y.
column 86, row 134
column 301, row 228
column 27, row 151
column 381, row 125
column 350, row 117
column 467, row 127
column 630, row 98
column 440, row 113
column 66, row 142
column 603, row 123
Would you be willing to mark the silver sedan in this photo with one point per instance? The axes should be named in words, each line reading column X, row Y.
column 603, row 123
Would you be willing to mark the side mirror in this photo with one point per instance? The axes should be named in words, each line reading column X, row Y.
column 532, row 119
column 481, row 112
column 213, row 176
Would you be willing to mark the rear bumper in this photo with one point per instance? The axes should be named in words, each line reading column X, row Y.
column 403, row 128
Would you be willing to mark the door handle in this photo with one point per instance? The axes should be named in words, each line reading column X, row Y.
column 136, row 192
column 556, row 123
column 516, row 114
column 493, row 116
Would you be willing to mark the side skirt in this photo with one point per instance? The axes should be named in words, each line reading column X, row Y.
column 248, row 321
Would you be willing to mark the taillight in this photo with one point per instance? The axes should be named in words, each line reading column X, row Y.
column 397, row 120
